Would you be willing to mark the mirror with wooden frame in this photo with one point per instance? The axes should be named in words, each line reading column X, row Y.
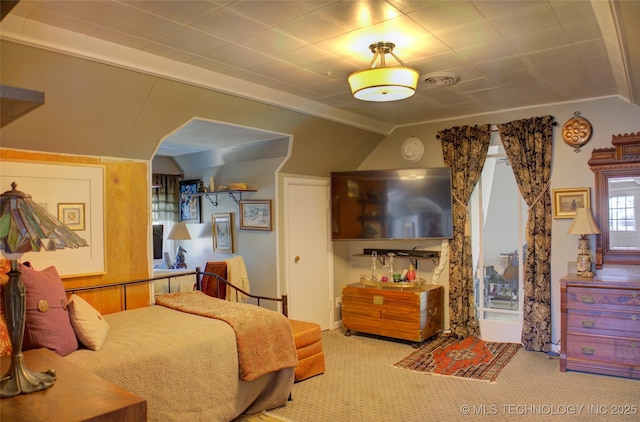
column 617, row 200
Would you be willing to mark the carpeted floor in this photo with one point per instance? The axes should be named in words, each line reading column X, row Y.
column 362, row 385
column 470, row 358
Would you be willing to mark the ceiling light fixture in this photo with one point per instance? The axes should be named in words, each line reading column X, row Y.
column 381, row 83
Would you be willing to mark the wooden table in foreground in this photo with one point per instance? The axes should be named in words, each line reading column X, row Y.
column 77, row 395
column 407, row 313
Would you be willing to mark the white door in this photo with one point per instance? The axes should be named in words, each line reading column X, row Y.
column 308, row 250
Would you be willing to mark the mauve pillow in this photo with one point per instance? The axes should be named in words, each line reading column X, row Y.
column 48, row 323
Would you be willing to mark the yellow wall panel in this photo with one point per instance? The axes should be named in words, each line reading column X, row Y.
column 126, row 228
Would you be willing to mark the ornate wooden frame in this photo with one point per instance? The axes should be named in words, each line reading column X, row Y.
column 623, row 159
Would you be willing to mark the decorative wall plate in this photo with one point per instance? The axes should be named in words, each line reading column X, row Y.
column 412, row 149
column 576, row 131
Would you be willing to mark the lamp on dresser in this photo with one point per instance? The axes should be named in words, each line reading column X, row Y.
column 26, row 227
column 179, row 232
column 584, row 224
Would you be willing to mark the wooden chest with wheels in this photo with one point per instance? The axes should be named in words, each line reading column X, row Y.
column 408, row 313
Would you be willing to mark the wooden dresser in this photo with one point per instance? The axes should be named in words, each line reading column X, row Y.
column 601, row 324
column 77, row 395
column 410, row 313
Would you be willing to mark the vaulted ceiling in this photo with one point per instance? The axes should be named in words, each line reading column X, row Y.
column 298, row 54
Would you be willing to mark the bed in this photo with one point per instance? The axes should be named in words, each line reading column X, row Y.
column 189, row 364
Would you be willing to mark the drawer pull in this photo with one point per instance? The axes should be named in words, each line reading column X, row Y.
column 586, row 350
column 433, row 311
column 634, row 345
column 634, row 317
column 587, row 299
column 587, row 323
column 634, row 294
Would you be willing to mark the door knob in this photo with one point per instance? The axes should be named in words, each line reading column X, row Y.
column 296, row 259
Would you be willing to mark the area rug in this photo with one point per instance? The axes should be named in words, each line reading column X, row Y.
column 470, row 358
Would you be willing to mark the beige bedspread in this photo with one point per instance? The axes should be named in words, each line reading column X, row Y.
column 264, row 337
column 184, row 365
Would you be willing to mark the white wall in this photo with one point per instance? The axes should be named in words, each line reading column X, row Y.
column 256, row 247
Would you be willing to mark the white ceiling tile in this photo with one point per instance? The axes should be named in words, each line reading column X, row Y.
column 469, row 35
column 443, row 16
column 271, row 41
column 273, row 13
column 192, row 41
column 183, row 12
column 229, row 25
column 540, row 41
column 487, row 52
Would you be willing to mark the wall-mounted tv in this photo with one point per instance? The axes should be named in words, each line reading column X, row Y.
column 391, row 204
column 158, row 231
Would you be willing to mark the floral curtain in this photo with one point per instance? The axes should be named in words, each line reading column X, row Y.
column 165, row 197
column 528, row 144
column 464, row 149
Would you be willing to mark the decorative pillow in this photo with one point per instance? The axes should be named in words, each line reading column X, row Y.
column 89, row 325
column 47, row 323
column 5, row 342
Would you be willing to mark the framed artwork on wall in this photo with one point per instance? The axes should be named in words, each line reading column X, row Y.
column 72, row 215
column 189, row 205
column 222, row 230
column 75, row 195
column 566, row 201
column 255, row 215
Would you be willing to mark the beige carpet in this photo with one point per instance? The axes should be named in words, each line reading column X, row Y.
column 361, row 385
column 260, row 417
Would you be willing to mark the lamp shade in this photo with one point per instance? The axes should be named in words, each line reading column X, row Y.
column 383, row 83
column 25, row 226
column 583, row 223
column 179, row 231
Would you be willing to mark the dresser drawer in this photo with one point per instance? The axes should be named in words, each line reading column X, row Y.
column 599, row 349
column 605, row 323
column 613, row 299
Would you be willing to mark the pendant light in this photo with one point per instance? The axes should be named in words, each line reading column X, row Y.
column 381, row 83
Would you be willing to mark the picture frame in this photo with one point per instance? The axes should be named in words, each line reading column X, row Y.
column 52, row 184
column 565, row 201
column 189, row 203
column 72, row 215
column 222, row 232
column 255, row 214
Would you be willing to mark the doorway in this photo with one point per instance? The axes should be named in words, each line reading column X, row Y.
column 309, row 265
column 498, row 215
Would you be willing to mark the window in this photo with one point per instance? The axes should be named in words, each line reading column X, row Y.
column 622, row 214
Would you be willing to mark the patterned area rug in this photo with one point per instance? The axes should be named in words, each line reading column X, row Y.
column 468, row 358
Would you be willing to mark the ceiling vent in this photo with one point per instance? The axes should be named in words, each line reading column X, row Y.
column 440, row 79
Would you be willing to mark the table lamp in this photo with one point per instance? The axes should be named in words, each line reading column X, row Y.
column 179, row 232
column 26, row 227
column 583, row 224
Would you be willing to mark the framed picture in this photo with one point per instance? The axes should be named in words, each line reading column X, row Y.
column 189, row 205
column 72, row 215
column 222, row 229
column 566, row 201
column 255, row 215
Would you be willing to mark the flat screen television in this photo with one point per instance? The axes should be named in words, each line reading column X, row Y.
column 391, row 204
column 158, row 230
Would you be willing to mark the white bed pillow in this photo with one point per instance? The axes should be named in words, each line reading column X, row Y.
column 89, row 325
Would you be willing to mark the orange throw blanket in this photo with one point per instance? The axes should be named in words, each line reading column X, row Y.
column 264, row 337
